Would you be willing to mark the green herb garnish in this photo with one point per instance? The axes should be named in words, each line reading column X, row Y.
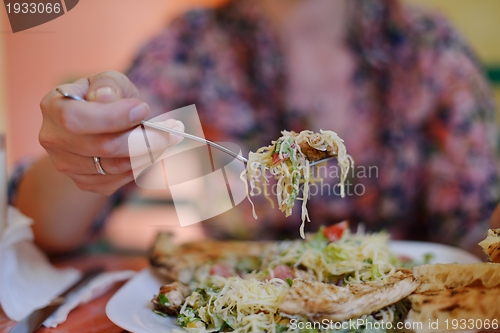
column 163, row 299
column 160, row 313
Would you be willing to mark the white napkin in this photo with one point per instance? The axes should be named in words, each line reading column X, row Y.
column 28, row 281
column 98, row 286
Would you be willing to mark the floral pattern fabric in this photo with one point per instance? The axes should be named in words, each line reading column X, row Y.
column 421, row 113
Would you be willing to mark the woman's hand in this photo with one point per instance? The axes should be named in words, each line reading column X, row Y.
column 74, row 132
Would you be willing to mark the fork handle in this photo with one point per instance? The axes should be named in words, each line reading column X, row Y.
column 169, row 130
column 195, row 138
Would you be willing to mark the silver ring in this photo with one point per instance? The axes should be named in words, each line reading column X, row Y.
column 98, row 166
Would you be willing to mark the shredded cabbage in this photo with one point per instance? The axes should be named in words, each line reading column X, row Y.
column 250, row 301
column 285, row 161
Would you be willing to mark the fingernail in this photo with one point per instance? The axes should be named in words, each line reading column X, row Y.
column 102, row 93
column 139, row 112
column 179, row 124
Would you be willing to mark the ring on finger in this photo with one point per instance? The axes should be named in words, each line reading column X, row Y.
column 98, row 166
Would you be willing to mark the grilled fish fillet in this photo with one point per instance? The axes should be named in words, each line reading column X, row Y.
column 179, row 262
column 319, row 301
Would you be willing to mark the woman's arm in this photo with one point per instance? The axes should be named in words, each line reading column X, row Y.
column 63, row 213
column 64, row 192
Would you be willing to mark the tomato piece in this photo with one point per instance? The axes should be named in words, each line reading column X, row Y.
column 276, row 158
column 334, row 232
column 222, row 269
column 405, row 259
column 283, row 272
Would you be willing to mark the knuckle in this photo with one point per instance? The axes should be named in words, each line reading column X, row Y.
column 61, row 167
column 89, row 187
column 68, row 121
column 107, row 148
column 122, row 82
column 83, row 186
column 44, row 104
column 47, row 139
column 44, row 140
column 48, row 102
column 121, row 165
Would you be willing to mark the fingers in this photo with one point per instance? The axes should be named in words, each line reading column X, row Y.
column 104, row 126
column 107, row 184
column 73, row 154
column 72, row 164
column 123, row 144
column 147, row 146
column 109, row 87
column 114, row 105
column 104, row 87
column 160, row 141
column 76, row 117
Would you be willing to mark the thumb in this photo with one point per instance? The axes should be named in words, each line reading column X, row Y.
column 110, row 86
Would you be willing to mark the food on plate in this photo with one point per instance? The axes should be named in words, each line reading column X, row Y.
column 276, row 284
column 171, row 297
column 335, row 277
column 455, row 309
column 451, row 293
column 288, row 160
column 318, row 301
column 181, row 262
column 452, row 276
column 491, row 245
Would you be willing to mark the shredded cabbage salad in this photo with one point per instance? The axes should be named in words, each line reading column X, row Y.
column 290, row 166
column 249, row 301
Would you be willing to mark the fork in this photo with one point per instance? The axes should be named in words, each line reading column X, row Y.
column 184, row 134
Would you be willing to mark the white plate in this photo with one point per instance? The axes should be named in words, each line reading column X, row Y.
column 131, row 309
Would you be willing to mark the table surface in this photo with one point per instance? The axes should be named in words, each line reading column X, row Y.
column 90, row 317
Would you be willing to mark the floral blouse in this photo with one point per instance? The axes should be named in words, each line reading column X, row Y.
column 421, row 115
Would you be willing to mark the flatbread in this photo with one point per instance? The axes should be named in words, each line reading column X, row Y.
column 320, row 301
column 450, row 276
column 491, row 245
column 454, row 309
column 453, row 295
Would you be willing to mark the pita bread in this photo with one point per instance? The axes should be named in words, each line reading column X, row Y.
column 450, row 276
column 318, row 300
column 491, row 245
column 449, row 292
column 435, row 310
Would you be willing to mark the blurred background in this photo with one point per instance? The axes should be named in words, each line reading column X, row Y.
column 36, row 60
